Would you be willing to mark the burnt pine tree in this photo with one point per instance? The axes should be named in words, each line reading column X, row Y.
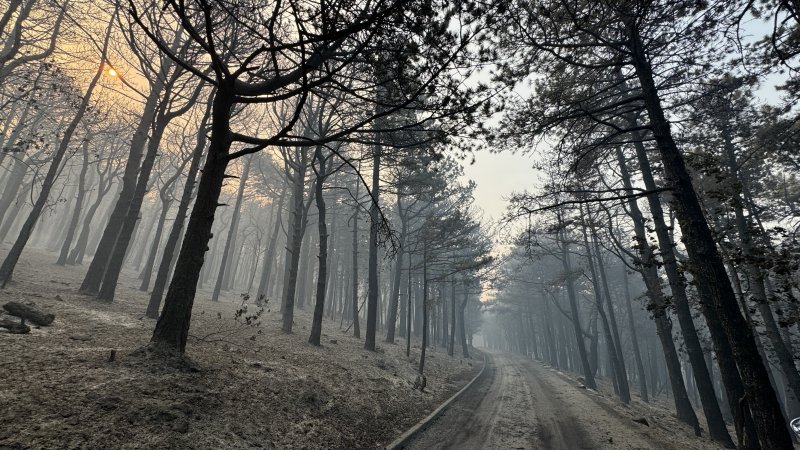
column 157, row 82
column 170, row 247
column 11, row 259
column 651, row 42
column 325, row 39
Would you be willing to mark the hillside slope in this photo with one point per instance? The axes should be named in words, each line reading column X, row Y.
column 246, row 386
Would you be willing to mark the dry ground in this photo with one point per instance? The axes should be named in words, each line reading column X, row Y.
column 519, row 403
column 246, row 386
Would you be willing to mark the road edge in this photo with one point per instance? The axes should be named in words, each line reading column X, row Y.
column 403, row 439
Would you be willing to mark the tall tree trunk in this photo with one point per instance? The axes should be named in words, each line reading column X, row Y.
column 139, row 236
column 272, row 247
column 619, row 374
column 303, row 272
column 549, row 335
column 635, row 340
column 94, row 274
column 76, row 213
column 601, row 270
column 322, row 273
column 172, row 327
column 54, row 231
column 116, row 258
column 728, row 370
column 391, row 317
column 716, row 424
column 77, row 253
column 166, row 196
column 354, row 267
column 444, row 318
column 233, row 260
column 147, row 270
column 331, row 284
column 757, row 279
column 573, row 304
column 408, row 309
column 462, row 322
column 424, row 345
column 169, row 253
column 10, row 262
column 706, row 264
column 647, row 267
column 372, row 281
column 294, row 245
column 230, row 242
column 452, row 338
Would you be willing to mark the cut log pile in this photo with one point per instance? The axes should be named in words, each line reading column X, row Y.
column 24, row 313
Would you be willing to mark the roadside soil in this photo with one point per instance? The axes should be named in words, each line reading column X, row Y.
column 243, row 386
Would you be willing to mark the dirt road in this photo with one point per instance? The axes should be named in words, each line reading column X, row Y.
column 519, row 404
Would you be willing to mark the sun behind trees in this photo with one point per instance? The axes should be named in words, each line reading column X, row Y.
column 303, row 166
column 322, row 89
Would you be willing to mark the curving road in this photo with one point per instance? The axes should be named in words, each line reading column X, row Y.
column 519, row 404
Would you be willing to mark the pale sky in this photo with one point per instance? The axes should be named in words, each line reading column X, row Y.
column 497, row 176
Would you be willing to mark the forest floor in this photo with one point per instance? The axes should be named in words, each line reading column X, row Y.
column 247, row 386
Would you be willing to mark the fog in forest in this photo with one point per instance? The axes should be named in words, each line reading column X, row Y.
column 526, row 224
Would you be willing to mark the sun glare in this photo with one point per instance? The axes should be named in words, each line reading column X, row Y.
column 112, row 72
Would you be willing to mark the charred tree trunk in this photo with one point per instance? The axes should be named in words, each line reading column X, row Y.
column 166, row 197
column 354, row 268
column 10, row 262
column 304, row 275
column 573, row 304
column 147, row 270
column 706, row 264
column 172, row 327
column 391, row 317
column 76, row 213
column 611, row 314
column 452, row 338
column 658, row 307
column 272, row 247
column 618, row 372
column 138, row 240
column 728, row 370
column 424, row 345
column 757, row 279
column 372, row 281
column 94, row 274
column 635, row 341
column 322, row 273
column 408, row 310
column 116, row 258
column 462, row 322
column 230, row 242
column 549, row 335
column 716, row 424
column 297, row 224
column 169, row 253
column 77, row 253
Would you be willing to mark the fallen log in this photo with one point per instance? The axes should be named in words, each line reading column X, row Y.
column 15, row 327
column 30, row 313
